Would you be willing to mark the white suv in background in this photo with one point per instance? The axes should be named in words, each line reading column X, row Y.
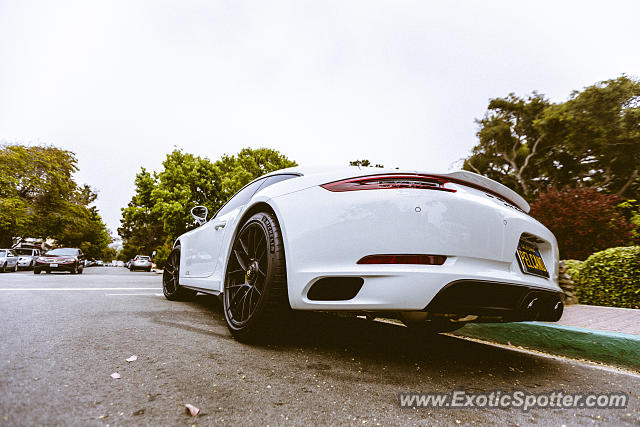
column 140, row 262
column 8, row 260
column 26, row 257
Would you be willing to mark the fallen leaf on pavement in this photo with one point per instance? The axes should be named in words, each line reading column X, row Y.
column 132, row 358
column 115, row 375
column 192, row 409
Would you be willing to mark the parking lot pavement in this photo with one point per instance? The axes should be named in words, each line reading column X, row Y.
column 63, row 336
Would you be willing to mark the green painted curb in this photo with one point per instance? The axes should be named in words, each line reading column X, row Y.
column 598, row 346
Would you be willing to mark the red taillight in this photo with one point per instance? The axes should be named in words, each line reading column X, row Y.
column 404, row 259
column 381, row 182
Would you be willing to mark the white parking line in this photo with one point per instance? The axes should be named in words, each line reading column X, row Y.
column 80, row 289
column 157, row 295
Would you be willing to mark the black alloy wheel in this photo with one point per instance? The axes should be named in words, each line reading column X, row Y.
column 171, row 279
column 255, row 290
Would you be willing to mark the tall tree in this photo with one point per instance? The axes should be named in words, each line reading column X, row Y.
column 159, row 210
column 511, row 147
column 600, row 128
column 592, row 139
column 39, row 198
column 142, row 229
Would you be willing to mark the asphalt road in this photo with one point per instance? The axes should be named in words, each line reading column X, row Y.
column 63, row 336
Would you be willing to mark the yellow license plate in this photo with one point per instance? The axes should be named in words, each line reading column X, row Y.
column 530, row 259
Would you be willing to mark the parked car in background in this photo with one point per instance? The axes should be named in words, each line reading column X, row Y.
column 26, row 257
column 8, row 260
column 140, row 262
column 100, row 263
column 61, row 259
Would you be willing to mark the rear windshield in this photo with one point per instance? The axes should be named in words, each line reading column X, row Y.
column 23, row 251
column 143, row 258
column 63, row 251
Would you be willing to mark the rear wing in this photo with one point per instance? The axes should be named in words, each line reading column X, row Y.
column 486, row 184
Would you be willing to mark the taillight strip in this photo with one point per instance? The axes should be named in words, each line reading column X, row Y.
column 404, row 259
column 361, row 183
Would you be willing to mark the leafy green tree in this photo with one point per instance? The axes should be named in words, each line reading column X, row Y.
column 185, row 181
column 249, row 164
column 160, row 209
column 600, row 128
column 592, row 139
column 142, row 229
column 511, row 147
column 39, row 198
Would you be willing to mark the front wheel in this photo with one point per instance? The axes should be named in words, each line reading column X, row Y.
column 171, row 279
column 255, row 297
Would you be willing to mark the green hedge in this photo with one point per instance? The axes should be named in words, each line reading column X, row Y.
column 610, row 277
column 573, row 268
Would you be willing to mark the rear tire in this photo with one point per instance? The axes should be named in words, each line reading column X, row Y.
column 4, row 268
column 255, row 297
column 171, row 279
column 36, row 271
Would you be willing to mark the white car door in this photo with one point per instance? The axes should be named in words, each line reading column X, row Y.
column 201, row 248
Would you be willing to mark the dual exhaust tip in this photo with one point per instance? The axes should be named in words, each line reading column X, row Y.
column 538, row 306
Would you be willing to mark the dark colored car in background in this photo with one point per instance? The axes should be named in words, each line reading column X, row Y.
column 60, row 259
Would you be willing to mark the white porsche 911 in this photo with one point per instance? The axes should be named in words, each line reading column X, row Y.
column 435, row 250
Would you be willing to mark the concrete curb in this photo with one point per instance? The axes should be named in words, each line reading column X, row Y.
column 598, row 346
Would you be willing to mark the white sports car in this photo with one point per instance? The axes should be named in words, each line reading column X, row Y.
column 434, row 250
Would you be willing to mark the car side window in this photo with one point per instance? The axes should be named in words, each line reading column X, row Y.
column 2, row 253
column 240, row 198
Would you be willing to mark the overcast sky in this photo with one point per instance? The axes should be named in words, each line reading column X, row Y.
column 121, row 83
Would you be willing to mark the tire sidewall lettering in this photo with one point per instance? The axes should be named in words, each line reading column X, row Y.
column 272, row 241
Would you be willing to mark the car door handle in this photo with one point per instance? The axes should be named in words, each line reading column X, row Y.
column 219, row 225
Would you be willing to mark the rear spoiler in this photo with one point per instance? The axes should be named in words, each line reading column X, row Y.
column 485, row 184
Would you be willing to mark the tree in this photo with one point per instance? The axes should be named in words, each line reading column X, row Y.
column 249, row 164
column 511, row 147
column 142, row 228
column 600, row 128
column 39, row 198
column 159, row 211
column 592, row 139
column 365, row 163
column 583, row 220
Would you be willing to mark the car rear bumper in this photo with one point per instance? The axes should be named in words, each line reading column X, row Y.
column 326, row 233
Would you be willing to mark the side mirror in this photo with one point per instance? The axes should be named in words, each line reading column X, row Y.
column 200, row 214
